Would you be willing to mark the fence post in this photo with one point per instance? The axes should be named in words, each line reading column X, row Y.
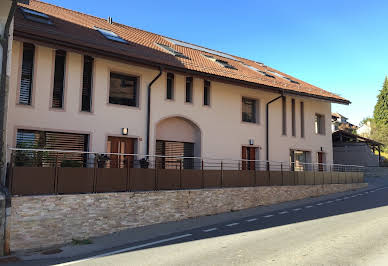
column 222, row 174
column 128, row 185
column 313, row 173
column 95, row 173
column 281, row 171
column 12, row 165
column 56, row 174
column 202, row 176
column 180, row 173
column 156, row 173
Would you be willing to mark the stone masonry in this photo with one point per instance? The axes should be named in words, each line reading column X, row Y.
column 43, row 221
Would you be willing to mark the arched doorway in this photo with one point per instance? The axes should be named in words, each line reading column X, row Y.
column 179, row 137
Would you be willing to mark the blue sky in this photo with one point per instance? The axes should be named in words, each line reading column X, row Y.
column 340, row 46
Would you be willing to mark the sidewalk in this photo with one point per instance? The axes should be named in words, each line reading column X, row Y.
column 134, row 235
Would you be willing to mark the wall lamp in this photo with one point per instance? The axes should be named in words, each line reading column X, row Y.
column 124, row 131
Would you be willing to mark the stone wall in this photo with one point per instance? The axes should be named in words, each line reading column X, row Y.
column 43, row 221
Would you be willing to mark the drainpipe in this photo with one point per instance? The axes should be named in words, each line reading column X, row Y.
column 3, row 96
column 149, row 109
column 267, row 127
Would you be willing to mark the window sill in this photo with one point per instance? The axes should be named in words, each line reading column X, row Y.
column 123, row 106
column 250, row 123
column 25, row 105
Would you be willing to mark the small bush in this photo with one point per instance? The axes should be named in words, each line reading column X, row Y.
column 71, row 163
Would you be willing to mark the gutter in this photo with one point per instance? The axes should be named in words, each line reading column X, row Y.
column 267, row 126
column 5, row 249
column 149, row 108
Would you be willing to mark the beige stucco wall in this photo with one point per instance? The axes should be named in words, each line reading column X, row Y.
column 222, row 132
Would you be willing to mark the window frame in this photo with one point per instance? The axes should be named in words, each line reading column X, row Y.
column 302, row 123
column 191, row 90
column 206, row 87
column 138, row 82
column 256, row 110
column 284, row 116
column 64, row 81
column 91, row 83
column 319, row 126
column 293, row 118
column 172, row 86
column 32, row 76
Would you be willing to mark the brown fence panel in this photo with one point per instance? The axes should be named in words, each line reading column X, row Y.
column 168, row 179
column 75, row 180
column 289, row 178
column 246, row 178
column 142, row 179
column 262, row 178
column 276, row 178
column 33, row 180
column 111, row 179
column 350, row 177
column 319, row 178
column 341, row 177
column 361, row 177
column 309, row 178
column 300, row 178
column 212, row 178
column 327, row 177
column 191, row 178
column 335, row 177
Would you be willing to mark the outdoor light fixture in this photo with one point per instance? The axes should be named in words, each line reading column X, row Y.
column 124, row 131
column 251, row 142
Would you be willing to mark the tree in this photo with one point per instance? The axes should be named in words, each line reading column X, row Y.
column 381, row 108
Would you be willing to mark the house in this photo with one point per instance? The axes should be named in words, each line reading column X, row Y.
column 340, row 122
column 365, row 130
column 84, row 83
column 352, row 149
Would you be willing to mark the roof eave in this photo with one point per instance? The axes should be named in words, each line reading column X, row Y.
column 99, row 52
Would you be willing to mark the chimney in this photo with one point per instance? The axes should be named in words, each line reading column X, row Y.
column 110, row 20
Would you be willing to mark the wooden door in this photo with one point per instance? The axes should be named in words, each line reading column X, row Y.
column 248, row 153
column 120, row 145
column 320, row 161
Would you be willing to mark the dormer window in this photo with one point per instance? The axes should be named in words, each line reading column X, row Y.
column 35, row 16
column 172, row 51
column 284, row 77
column 111, row 35
column 219, row 61
column 257, row 70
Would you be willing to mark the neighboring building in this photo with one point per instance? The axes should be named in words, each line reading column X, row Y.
column 340, row 122
column 365, row 130
column 352, row 149
column 80, row 82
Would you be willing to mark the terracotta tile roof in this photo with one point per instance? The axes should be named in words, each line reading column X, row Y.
column 72, row 28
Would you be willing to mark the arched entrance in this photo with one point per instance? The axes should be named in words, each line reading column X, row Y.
column 180, row 137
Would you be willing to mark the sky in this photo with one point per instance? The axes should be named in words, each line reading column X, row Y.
column 339, row 46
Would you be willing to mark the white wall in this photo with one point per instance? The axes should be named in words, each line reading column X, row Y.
column 222, row 131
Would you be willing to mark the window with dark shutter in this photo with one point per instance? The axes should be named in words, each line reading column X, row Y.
column 123, row 89
column 284, row 116
column 27, row 74
column 59, row 78
column 302, row 119
column 293, row 117
column 87, row 84
column 174, row 149
column 249, row 110
column 189, row 89
column 206, row 92
column 170, row 86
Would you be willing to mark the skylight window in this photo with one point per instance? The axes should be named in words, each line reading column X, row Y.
column 257, row 70
column 172, row 51
column 203, row 49
column 219, row 61
column 111, row 35
column 283, row 77
column 35, row 16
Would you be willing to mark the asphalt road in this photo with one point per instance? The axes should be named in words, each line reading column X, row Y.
column 348, row 230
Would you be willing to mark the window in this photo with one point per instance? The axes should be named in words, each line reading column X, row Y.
column 249, row 110
column 173, row 149
column 319, row 124
column 27, row 74
column 283, row 77
column 111, row 35
column 172, row 51
column 87, row 84
column 302, row 119
column 52, row 141
column 257, row 70
column 219, row 61
column 284, row 116
column 123, row 90
column 59, row 78
column 189, row 89
column 170, row 86
column 206, row 92
column 299, row 160
column 35, row 16
column 293, row 118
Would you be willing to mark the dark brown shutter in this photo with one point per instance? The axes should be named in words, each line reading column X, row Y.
column 59, row 77
column 189, row 89
column 284, row 116
column 302, row 119
column 27, row 73
column 175, row 149
column 293, row 117
column 170, row 86
column 206, row 92
column 87, row 84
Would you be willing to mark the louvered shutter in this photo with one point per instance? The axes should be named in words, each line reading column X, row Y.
column 27, row 72
column 59, row 77
column 87, row 84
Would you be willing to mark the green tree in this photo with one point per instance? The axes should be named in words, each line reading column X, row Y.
column 380, row 113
